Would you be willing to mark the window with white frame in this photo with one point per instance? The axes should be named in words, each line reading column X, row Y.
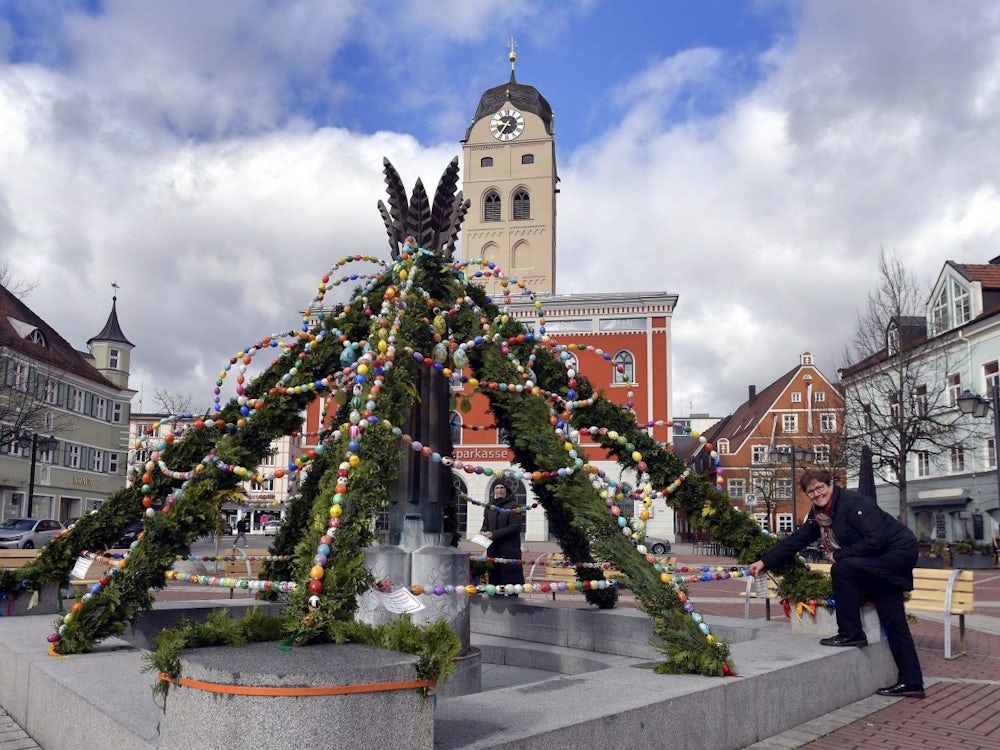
column 789, row 422
column 761, row 519
column 782, row 486
column 76, row 403
column 954, row 382
column 101, row 407
column 991, row 453
column 763, row 482
column 819, row 397
column 97, row 461
column 923, row 463
column 991, row 373
column 114, row 356
column 267, row 459
column 51, row 391
column 951, row 308
column 784, row 523
column 828, row 422
column 722, row 446
column 957, row 458
column 737, row 488
column 796, row 397
column 758, row 454
column 921, row 402
column 821, row 454
column 113, row 463
column 20, row 376
column 624, row 368
column 455, row 426
column 73, row 456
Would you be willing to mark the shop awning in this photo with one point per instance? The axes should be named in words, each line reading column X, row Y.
column 944, row 498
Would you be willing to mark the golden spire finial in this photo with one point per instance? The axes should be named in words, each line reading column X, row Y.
column 513, row 55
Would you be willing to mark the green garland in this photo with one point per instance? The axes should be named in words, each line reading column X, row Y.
column 577, row 512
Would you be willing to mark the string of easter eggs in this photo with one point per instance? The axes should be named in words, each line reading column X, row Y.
column 246, row 411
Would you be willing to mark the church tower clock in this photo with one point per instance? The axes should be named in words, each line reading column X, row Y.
column 509, row 175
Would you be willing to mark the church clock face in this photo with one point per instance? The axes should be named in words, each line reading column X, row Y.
column 507, row 124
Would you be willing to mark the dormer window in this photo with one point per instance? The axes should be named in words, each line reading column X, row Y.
column 952, row 307
column 892, row 338
column 27, row 331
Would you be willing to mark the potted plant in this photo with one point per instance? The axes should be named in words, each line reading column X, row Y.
column 934, row 554
column 965, row 555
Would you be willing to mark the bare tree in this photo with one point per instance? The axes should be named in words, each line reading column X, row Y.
column 17, row 287
column 895, row 399
column 25, row 402
column 172, row 403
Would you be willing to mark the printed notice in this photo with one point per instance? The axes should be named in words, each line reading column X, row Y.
column 760, row 586
column 398, row 601
column 482, row 541
column 81, row 567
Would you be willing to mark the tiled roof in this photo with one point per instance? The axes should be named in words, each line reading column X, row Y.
column 57, row 353
column 987, row 274
column 742, row 423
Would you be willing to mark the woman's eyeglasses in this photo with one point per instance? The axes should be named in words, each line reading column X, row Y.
column 814, row 491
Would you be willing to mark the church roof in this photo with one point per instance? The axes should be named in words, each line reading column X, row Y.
column 112, row 331
column 525, row 98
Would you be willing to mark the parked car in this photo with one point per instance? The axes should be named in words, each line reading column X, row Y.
column 271, row 528
column 657, row 546
column 27, row 533
column 130, row 535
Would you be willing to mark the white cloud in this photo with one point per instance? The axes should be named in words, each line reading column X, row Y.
column 206, row 158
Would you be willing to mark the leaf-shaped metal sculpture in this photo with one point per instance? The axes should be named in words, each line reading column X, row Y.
column 394, row 236
column 418, row 221
column 434, row 226
column 460, row 208
column 444, row 203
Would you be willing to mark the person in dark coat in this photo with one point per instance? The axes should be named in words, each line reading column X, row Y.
column 873, row 555
column 503, row 522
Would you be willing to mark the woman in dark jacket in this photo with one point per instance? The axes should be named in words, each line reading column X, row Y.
column 873, row 556
column 503, row 522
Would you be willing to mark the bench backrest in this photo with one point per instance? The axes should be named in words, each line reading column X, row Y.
column 17, row 558
column 930, row 584
column 237, row 566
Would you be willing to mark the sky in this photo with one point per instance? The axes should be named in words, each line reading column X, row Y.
column 215, row 158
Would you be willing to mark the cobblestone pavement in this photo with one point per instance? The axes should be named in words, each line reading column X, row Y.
column 961, row 710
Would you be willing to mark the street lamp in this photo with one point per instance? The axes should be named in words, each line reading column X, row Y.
column 35, row 441
column 790, row 456
column 977, row 406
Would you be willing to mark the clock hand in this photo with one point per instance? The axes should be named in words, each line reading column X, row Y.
column 504, row 125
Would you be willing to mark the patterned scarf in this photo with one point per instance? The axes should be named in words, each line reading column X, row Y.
column 828, row 539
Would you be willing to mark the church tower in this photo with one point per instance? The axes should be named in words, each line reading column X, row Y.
column 110, row 351
column 509, row 175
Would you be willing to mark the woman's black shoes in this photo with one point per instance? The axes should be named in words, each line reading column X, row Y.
column 902, row 690
column 857, row 639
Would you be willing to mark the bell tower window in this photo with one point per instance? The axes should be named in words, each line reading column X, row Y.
column 522, row 205
column 491, row 206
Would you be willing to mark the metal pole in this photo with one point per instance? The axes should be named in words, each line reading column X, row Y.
column 31, row 475
column 795, row 515
column 996, row 432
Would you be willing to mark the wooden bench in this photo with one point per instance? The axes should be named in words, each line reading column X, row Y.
column 12, row 559
column 941, row 591
column 244, row 564
column 552, row 568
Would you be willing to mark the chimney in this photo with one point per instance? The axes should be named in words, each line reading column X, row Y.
column 753, row 394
